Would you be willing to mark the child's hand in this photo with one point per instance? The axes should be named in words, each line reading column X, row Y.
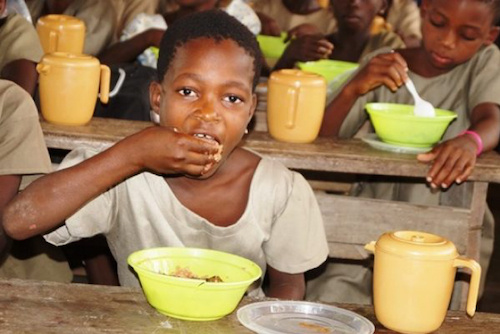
column 302, row 30
column 453, row 161
column 154, row 36
column 389, row 69
column 165, row 150
column 269, row 25
column 308, row 48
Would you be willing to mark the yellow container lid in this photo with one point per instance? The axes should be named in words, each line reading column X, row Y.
column 59, row 21
column 296, row 77
column 69, row 60
column 416, row 245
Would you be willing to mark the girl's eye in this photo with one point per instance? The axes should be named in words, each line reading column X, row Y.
column 437, row 23
column 186, row 92
column 233, row 99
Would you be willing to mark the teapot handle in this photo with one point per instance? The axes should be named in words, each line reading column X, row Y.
column 104, row 86
column 293, row 96
column 474, row 281
column 53, row 41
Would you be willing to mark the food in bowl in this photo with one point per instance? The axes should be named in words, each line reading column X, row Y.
column 328, row 68
column 397, row 124
column 191, row 298
column 185, row 272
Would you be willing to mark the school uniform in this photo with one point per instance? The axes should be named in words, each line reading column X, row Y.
column 281, row 226
column 18, row 40
column 404, row 17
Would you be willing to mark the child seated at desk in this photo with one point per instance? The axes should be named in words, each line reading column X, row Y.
column 457, row 68
column 352, row 40
column 187, row 182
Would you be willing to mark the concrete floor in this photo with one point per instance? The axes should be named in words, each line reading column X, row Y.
column 491, row 297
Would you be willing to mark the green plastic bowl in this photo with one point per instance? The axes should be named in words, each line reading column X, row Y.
column 396, row 124
column 187, row 298
column 328, row 68
column 272, row 46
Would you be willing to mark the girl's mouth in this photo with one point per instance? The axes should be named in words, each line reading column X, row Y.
column 440, row 60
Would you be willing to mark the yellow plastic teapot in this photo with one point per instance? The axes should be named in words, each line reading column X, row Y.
column 295, row 105
column 69, row 85
column 413, row 279
column 61, row 33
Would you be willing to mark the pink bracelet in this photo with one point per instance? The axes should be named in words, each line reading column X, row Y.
column 476, row 138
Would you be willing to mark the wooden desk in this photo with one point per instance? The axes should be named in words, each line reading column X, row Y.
column 341, row 213
column 46, row 307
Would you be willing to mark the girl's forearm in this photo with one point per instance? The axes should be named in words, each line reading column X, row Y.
column 48, row 201
column 485, row 121
column 336, row 112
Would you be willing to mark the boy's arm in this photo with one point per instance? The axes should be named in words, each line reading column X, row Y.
column 9, row 186
column 48, row 201
column 389, row 69
column 454, row 160
column 304, row 48
column 285, row 286
column 22, row 72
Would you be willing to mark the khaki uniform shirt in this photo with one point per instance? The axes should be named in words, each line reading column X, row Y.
column 18, row 40
column 281, row 226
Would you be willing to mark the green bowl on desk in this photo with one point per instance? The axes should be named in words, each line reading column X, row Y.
column 272, row 46
column 328, row 68
column 176, row 281
column 397, row 124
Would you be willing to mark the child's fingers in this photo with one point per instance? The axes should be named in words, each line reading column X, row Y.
column 449, row 176
column 465, row 174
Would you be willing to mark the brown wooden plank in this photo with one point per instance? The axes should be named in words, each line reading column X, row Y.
column 352, row 222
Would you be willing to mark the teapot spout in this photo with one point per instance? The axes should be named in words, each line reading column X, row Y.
column 370, row 246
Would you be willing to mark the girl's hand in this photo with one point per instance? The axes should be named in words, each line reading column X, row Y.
column 269, row 25
column 389, row 69
column 165, row 150
column 453, row 161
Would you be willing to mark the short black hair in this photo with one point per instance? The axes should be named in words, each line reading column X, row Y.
column 215, row 24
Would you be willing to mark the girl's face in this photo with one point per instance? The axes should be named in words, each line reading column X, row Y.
column 207, row 92
column 453, row 31
column 356, row 15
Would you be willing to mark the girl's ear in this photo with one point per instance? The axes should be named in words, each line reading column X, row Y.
column 155, row 100
column 492, row 35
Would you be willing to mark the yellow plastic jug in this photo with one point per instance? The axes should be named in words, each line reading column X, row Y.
column 413, row 279
column 61, row 33
column 69, row 85
column 295, row 105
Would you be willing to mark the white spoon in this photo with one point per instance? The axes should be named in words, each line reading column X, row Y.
column 423, row 108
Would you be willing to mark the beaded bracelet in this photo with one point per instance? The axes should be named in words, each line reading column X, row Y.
column 476, row 138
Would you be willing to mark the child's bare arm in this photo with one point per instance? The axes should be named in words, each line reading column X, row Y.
column 9, row 186
column 51, row 199
column 454, row 160
column 389, row 69
column 129, row 50
column 285, row 286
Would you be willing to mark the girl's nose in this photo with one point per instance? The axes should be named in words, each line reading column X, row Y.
column 449, row 39
column 207, row 112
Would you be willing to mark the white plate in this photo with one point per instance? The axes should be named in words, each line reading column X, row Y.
column 299, row 317
column 375, row 142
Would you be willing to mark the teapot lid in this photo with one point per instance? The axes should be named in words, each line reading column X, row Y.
column 297, row 77
column 69, row 59
column 61, row 21
column 417, row 244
